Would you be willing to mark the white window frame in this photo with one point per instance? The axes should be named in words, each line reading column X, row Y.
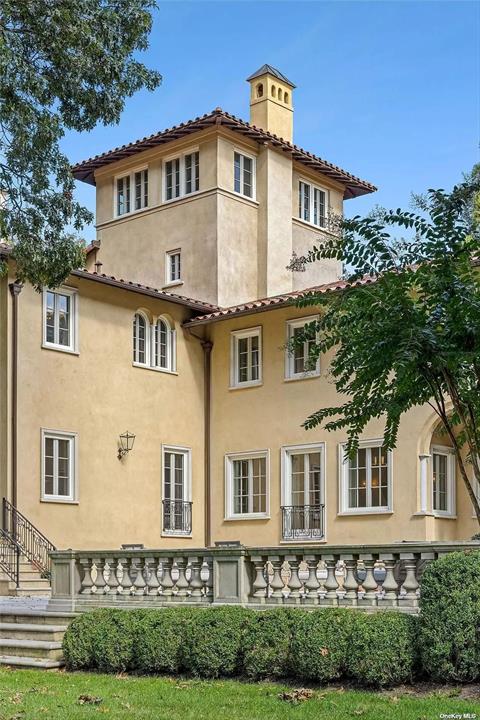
column 235, row 336
column 187, row 484
column 449, row 453
column 286, row 468
column 72, row 347
column 131, row 175
column 313, row 186
column 243, row 154
column 344, row 466
column 72, row 437
column 290, row 373
column 229, row 495
column 183, row 176
column 169, row 281
column 149, row 363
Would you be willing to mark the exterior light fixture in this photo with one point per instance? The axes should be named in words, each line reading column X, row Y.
column 126, row 444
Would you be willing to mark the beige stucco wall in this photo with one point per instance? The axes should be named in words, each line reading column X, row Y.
column 5, row 408
column 100, row 394
column 270, row 416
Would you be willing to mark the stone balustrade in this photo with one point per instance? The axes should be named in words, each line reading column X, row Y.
column 368, row 577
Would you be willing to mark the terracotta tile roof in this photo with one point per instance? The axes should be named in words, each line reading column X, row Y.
column 197, row 305
column 276, row 301
column 354, row 186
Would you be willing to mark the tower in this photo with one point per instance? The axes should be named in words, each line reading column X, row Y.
column 271, row 106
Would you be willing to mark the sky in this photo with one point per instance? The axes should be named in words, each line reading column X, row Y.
column 389, row 91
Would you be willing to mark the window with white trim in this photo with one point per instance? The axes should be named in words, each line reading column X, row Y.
column 177, row 506
column 298, row 362
column 182, row 175
column 443, row 480
column 366, row 478
column 60, row 319
column 127, row 201
column 173, row 267
column 154, row 344
column 312, row 204
column 303, row 491
column 247, row 485
column 244, row 175
column 58, row 466
column 246, row 357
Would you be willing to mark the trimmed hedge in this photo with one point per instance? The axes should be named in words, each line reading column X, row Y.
column 449, row 633
column 319, row 645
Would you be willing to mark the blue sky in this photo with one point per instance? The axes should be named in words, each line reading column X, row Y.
column 390, row 91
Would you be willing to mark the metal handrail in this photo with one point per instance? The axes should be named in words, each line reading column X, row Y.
column 10, row 552
column 32, row 543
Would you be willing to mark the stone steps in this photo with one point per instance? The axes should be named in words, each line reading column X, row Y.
column 29, row 631
column 32, row 584
column 32, row 638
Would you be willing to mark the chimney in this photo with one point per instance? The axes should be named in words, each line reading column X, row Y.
column 271, row 105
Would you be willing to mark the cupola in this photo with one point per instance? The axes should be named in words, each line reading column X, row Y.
column 271, row 106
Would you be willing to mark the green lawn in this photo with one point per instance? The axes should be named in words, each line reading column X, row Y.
column 32, row 694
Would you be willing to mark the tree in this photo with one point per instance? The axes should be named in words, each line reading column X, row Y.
column 406, row 328
column 64, row 65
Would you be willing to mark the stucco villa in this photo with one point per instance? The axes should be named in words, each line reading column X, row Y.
column 151, row 401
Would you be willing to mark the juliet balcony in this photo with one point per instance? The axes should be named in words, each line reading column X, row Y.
column 177, row 517
column 303, row 522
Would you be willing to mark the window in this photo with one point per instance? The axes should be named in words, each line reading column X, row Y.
column 303, row 491
column 177, row 506
column 182, row 175
column 366, row 479
column 246, row 357
column 247, row 484
column 154, row 344
column 173, row 267
column 297, row 355
column 60, row 319
column 443, row 480
column 244, row 175
column 136, row 182
column 312, row 204
column 58, row 466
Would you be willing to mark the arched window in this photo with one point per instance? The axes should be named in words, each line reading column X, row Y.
column 260, row 90
column 285, row 97
column 279, row 93
column 141, row 343
column 273, row 91
column 164, row 345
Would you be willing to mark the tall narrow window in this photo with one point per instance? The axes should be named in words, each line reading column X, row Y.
column 131, row 192
column 192, row 173
column 177, row 507
column 312, row 204
column 140, row 339
column 60, row 319
column 366, row 478
column 164, row 345
column 303, row 492
column 172, row 179
column 58, row 466
column 443, row 480
column 123, row 195
column 301, row 339
column 244, row 175
column 173, row 269
column 246, row 477
column 141, row 189
column 246, row 357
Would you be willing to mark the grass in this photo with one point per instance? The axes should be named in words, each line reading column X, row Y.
column 33, row 694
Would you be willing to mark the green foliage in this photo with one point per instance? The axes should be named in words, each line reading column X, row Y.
column 266, row 643
column 320, row 642
column 382, row 648
column 406, row 329
column 78, row 642
column 159, row 640
column 449, row 635
column 63, row 66
column 212, row 641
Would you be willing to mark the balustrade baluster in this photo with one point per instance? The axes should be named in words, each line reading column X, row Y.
column 410, row 584
column 111, row 572
column 389, row 585
column 126, row 581
column 331, row 583
column 196, row 583
column 312, row 585
column 86, row 582
column 151, row 578
column 276, row 583
column 139, row 584
column 350, row 582
column 208, row 581
column 294, row 583
column 182, row 582
column 260, row 585
column 166, row 581
column 369, row 584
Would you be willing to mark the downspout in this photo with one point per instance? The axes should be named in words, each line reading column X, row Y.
column 15, row 290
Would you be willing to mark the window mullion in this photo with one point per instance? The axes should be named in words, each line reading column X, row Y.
column 55, row 466
column 56, row 320
column 369, row 477
column 249, row 358
column 250, row 485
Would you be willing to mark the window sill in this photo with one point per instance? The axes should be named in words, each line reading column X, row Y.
column 365, row 511
column 59, row 501
column 131, row 213
column 303, row 376
column 242, row 386
column 186, row 536
column 245, row 197
column 175, row 283
column 306, row 541
column 444, row 516
column 247, row 516
column 180, row 197
column 310, row 225
column 155, row 369
column 60, row 348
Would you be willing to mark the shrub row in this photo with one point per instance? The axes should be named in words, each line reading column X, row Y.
column 320, row 645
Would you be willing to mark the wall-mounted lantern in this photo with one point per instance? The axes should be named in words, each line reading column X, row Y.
column 126, row 444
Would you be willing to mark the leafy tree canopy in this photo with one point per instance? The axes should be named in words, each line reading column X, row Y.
column 64, row 65
column 410, row 335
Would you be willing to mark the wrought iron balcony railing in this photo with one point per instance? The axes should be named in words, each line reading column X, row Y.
column 303, row 522
column 177, row 517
